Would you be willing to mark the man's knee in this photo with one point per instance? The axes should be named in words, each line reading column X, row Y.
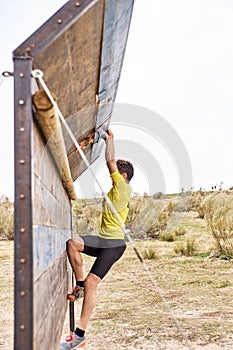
column 91, row 282
column 76, row 245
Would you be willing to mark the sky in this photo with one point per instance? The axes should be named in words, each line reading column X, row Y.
column 178, row 66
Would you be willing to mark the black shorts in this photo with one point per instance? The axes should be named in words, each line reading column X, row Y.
column 106, row 251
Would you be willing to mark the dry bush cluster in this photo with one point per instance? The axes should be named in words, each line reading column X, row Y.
column 86, row 216
column 6, row 218
column 195, row 203
column 158, row 217
column 152, row 217
column 218, row 213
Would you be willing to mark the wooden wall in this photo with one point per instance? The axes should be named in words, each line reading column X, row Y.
column 51, row 229
column 80, row 51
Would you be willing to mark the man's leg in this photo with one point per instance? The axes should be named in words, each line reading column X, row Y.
column 90, row 286
column 74, row 249
column 100, row 268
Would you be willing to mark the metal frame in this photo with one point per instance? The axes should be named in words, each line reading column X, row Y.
column 23, row 336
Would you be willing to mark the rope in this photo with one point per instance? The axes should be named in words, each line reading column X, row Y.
column 38, row 74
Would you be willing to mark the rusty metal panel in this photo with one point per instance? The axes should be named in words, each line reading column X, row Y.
column 23, row 206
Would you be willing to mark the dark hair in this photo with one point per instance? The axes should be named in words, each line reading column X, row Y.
column 125, row 167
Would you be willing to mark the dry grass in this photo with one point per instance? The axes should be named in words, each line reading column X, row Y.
column 129, row 312
column 7, row 294
column 218, row 210
column 6, row 218
column 131, row 315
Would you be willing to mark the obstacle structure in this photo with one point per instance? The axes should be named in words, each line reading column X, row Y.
column 80, row 51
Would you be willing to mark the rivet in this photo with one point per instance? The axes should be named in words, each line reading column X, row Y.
column 22, row 293
column 22, row 161
column 59, row 21
column 21, row 102
column 77, row 4
column 22, row 261
column 21, row 75
column 22, row 327
column 22, row 129
column 22, row 230
column 21, row 196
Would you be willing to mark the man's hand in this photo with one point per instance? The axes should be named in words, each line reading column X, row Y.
column 110, row 152
column 109, row 133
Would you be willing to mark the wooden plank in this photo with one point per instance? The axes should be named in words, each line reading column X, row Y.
column 50, row 202
column 50, row 289
column 48, row 244
column 51, row 212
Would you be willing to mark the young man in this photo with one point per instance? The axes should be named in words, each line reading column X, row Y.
column 107, row 247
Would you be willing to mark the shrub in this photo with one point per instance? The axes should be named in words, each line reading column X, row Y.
column 143, row 213
column 180, row 231
column 168, row 236
column 150, row 254
column 160, row 222
column 195, row 204
column 6, row 218
column 179, row 248
column 149, row 217
column 187, row 248
column 182, row 204
column 218, row 209
column 86, row 216
column 134, row 209
column 158, row 195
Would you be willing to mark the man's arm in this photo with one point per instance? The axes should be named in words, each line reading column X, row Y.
column 110, row 153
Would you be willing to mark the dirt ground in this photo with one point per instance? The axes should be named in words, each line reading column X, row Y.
column 7, row 294
column 196, row 311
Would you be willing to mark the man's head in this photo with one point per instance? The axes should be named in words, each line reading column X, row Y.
column 125, row 167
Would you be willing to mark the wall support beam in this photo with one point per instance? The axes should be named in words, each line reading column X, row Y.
column 23, row 292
